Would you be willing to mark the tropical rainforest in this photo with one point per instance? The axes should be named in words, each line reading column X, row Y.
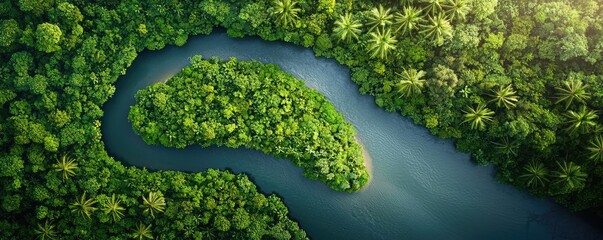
column 255, row 106
column 516, row 83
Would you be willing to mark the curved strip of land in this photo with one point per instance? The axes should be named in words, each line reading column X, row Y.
column 253, row 105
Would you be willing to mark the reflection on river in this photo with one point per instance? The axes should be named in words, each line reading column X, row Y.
column 421, row 188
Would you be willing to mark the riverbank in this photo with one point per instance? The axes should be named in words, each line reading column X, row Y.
column 368, row 161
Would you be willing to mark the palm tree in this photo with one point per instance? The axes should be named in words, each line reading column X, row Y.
column 160, row 9
column 457, row 9
column 411, row 82
column 409, row 21
column 595, row 147
column 507, row 147
column 285, row 12
column 143, row 231
column 570, row 176
column 381, row 43
column 478, row 116
column 505, row 96
column 171, row 135
column 379, row 17
column 45, row 231
column 112, row 207
column 83, row 206
column 581, row 121
column 179, row 9
column 347, row 28
column 572, row 90
column 66, row 165
column 154, row 203
column 466, row 91
column 438, row 29
column 536, row 174
column 433, row 6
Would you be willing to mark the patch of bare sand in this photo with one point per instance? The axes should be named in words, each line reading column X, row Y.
column 368, row 161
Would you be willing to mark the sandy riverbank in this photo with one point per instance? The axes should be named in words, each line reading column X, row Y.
column 368, row 160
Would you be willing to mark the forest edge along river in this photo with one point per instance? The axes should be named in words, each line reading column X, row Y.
column 421, row 187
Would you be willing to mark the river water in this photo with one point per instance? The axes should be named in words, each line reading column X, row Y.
column 421, row 187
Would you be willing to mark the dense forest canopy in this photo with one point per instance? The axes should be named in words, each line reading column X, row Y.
column 256, row 106
column 517, row 83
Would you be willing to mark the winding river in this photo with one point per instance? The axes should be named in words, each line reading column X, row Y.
column 421, row 187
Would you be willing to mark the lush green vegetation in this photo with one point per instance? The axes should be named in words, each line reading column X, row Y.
column 59, row 63
column 255, row 106
column 515, row 82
